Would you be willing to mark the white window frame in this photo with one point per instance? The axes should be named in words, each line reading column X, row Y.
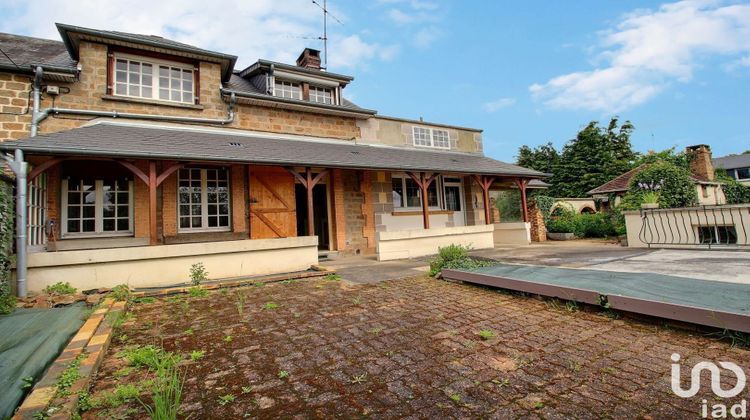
column 321, row 95
column 98, row 213
column 737, row 174
column 432, row 134
column 204, row 203
column 156, row 65
column 287, row 89
column 438, row 182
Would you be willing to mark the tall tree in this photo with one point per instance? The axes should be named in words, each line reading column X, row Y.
column 595, row 156
column 543, row 158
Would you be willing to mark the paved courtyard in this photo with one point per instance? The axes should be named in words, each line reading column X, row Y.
column 409, row 348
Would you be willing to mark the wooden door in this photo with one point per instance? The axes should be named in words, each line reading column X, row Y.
column 272, row 203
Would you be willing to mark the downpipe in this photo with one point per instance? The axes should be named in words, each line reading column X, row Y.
column 20, row 168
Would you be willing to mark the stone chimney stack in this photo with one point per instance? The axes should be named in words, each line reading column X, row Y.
column 309, row 59
column 700, row 162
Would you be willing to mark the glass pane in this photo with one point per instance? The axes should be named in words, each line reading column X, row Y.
column 121, row 89
column 398, row 192
column 197, row 222
column 146, row 92
column 108, row 211
column 184, row 222
column 135, row 78
column 213, row 221
column 135, row 91
column 164, row 94
column 452, row 199
column 88, row 211
column 74, row 226
column 163, row 71
column 108, row 225
column 184, row 210
column 196, row 209
column 121, row 77
column 174, row 73
column 224, row 221
column 135, row 66
column 175, row 96
column 122, row 211
column 122, row 197
column 146, row 69
column 121, row 65
column 412, row 194
column 122, row 225
column 212, row 209
column 74, row 212
column 74, row 198
column 88, row 226
column 432, row 195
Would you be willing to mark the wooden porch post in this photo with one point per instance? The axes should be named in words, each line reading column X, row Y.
column 423, row 182
column 485, row 182
column 310, row 211
column 152, row 185
column 522, row 187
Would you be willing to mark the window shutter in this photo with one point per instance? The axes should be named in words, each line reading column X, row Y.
column 197, row 83
column 110, row 72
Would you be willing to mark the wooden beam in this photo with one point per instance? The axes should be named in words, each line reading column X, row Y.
column 39, row 169
column 522, row 183
column 169, row 171
column 310, row 216
column 485, row 182
column 424, row 182
column 137, row 171
column 152, row 185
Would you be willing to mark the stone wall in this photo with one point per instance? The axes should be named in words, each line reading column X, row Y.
column 397, row 132
column 15, row 115
column 536, row 219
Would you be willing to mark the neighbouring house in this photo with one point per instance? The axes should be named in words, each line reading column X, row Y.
column 736, row 166
column 702, row 171
column 148, row 155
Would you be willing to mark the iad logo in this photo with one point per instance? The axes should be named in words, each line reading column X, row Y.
column 718, row 410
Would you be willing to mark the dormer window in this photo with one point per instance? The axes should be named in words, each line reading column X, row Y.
column 289, row 90
column 321, row 95
column 431, row 137
column 156, row 79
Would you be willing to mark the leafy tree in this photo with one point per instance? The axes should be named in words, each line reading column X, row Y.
column 595, row 156
column 542, row 158
column 674, row 185
column 680, row 159
column 735, row 192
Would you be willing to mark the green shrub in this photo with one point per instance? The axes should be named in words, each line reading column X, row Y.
column 735, row 192
column 597, row 225
column 198, row 273
column 455, row 257
column 674, row 184
column 121, row 292
column 7, row 300
column 60, row 288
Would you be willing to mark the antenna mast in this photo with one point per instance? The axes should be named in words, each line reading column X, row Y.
column 324, row 38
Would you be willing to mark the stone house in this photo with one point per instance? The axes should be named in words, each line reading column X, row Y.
column 147, row 155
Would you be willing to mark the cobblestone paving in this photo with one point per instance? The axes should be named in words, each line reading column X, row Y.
column 410, row 348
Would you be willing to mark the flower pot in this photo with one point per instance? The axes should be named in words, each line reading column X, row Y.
column 650, row 205
column 560, row 236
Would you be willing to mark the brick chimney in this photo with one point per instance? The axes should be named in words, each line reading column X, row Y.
column 309, row 59
column 700, row 161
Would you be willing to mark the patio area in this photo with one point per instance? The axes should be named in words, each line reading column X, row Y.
column 408, row 347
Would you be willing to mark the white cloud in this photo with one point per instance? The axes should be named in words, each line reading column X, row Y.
column 255, row 29
column 498, row 104
column 426, row 36
column 649, row 50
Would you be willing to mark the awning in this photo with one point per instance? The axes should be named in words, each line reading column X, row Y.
column 118, row 140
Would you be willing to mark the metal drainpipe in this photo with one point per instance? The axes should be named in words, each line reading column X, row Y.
column 36, row 118
column 20, row 168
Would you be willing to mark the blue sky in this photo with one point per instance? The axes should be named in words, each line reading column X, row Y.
column 526, row 72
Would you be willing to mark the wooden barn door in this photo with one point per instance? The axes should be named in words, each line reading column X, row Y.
column 272, row 203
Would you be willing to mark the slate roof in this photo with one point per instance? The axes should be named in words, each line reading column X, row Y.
column 26, row 51
column 732, row 161
column 618, row 184
column 159, row 142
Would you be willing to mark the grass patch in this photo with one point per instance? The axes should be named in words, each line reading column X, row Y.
column 122, row 394
column 197, row 292
column 148, row 356
column 197, row 355
column 283, row 374
column 455, row 257
column 486, row 334
column 226, row 399
column 271, row 305
column 60, row 288
column 69, row 376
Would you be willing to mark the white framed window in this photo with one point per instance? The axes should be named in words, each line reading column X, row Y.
column 97, row 207
column 153, row 79
column 742, row 174
column 408, row 196
column 289, row 90
column 321, row 95
column 431, row 137
column 203, row 200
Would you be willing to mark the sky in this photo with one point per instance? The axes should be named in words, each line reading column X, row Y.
column 526, row 72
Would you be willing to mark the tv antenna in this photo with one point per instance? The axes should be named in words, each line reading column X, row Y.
column 324, row 38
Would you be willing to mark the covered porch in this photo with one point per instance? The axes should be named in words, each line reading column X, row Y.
column 139, row 204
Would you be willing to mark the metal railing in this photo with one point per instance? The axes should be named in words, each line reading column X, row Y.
column 724, row 226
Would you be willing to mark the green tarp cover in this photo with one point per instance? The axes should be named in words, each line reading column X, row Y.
column 30, row 340
column 713, row 295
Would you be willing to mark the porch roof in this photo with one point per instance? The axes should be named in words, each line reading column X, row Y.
column 112, row 139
